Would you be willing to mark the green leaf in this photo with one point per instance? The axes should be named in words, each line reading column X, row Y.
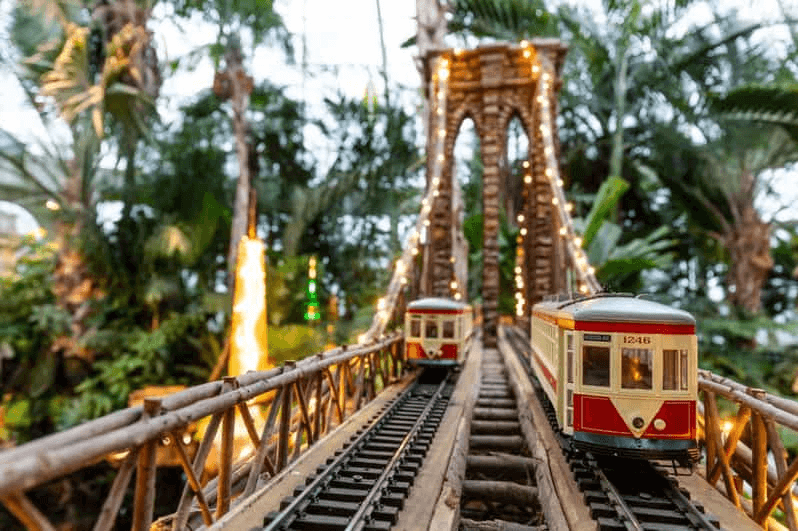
column 603, row 243
column 18, row 414
column 42, row 376
column 776, row 105
column 606, row 200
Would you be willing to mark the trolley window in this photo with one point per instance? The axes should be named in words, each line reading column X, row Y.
column 636, row 368
column 596, row 366
column 569, row 348
column 415, row 328
column 448, row 329
column 431, row 328
column 683, row 363
column 674, row 370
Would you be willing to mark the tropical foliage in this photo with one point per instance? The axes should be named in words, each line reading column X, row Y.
column 670, row 132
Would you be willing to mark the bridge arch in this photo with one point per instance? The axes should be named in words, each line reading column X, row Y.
column 491, row 85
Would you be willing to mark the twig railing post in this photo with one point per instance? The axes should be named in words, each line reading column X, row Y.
column 732, row 438
column 181, row 515
column 116, row 495
column 780, row 459
column 317, row 408
column 716, row 454
column 759, row 461
column 261, row 458
column 144, row 501
column 285, row 425
column 226, row 454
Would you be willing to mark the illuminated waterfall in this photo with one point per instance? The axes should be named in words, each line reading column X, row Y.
column 249, row 346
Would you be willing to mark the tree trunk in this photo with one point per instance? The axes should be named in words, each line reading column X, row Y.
column 73, row 286
column 233, row 83
column 750, row 261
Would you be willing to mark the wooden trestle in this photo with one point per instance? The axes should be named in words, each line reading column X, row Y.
column 305, row 401
column 302, row 401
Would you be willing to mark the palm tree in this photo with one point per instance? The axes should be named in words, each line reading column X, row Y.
column 717, row 190
column 89, row 79
column 232, row 83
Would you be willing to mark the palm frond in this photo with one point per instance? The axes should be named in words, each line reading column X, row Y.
column 777, row 105
column 511, row 20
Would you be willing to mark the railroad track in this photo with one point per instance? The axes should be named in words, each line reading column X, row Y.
column 623, row 494
column 626, row 495
column 363, row 486
column 498, row 491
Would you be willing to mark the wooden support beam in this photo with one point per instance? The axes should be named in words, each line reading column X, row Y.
column 780, row 459
column 23, row 509
column 285, row 425
column 467, row 524
column 144, row 497
column 261, row 458
column 181, row 515
column 759, row 462
column 740, row 422
column 226, row 456
column 116, row 495
column 508, row 465
column 193, row 481
column 501, row 491
column 719, row 451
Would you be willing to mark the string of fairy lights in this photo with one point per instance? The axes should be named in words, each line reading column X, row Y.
column 585, row 277
column 586, row 282
column 386, row 305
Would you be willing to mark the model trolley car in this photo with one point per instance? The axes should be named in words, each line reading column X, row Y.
column 621, row 373
column 436, row 331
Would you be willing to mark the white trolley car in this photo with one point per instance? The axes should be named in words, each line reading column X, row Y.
column 621, row 373
column 436, row 331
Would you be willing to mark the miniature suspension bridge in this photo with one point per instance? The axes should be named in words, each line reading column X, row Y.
column 308, row 411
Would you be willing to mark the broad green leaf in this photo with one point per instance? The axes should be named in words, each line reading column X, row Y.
column 603, row 243
column 605, row 202
column 42, row 375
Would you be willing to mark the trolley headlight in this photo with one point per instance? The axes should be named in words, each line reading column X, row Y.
column 638, row 422
column 660, row 424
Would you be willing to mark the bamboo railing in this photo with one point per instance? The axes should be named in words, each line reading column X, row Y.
column 304, row 399
column 740, row 453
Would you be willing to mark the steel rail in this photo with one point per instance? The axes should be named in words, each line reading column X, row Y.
column 358, row 519
column 321, row 479
column 695, row 516
column 628, row 519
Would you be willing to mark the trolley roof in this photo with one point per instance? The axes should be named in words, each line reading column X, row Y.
column 610, row 308
column 436, row 303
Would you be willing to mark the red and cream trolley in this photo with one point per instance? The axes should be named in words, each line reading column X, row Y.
column 621, row 373
column 436, row 331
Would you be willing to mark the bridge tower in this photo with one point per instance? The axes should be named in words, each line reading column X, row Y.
column 492, row 84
